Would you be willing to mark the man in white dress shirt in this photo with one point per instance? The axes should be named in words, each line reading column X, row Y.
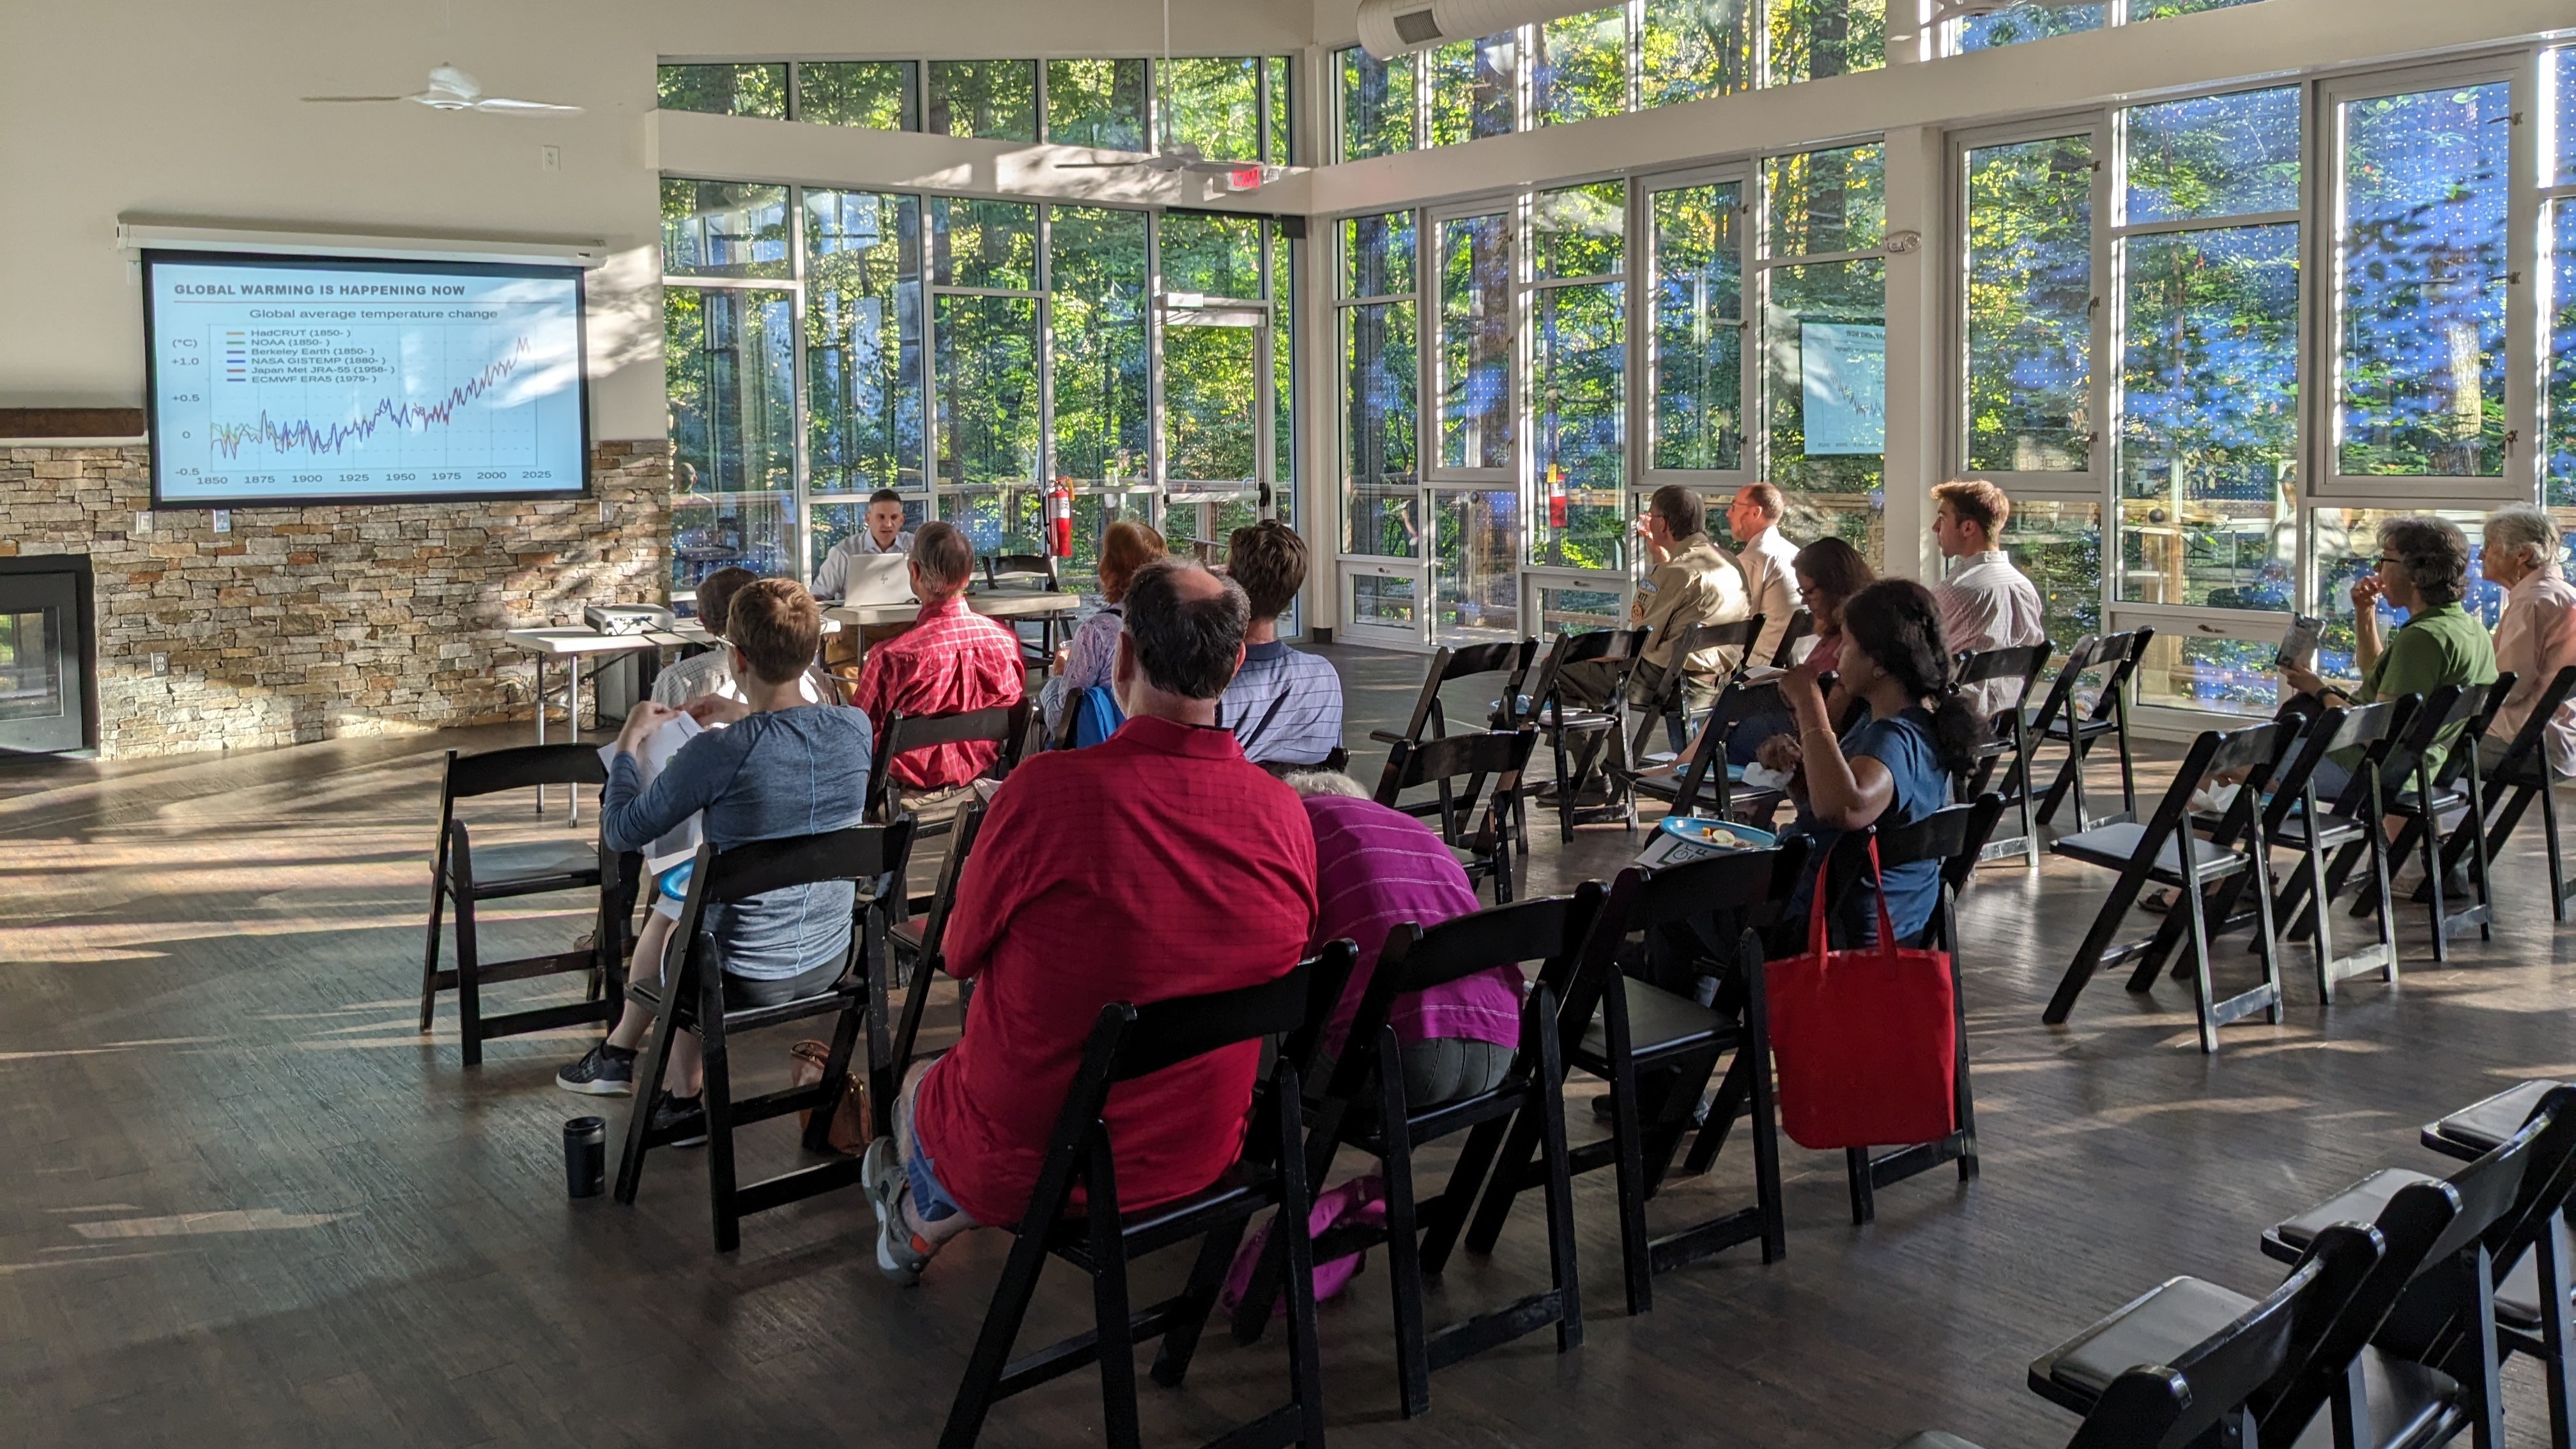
column 884, row 534
column 1986, row 603
column 1767, row 558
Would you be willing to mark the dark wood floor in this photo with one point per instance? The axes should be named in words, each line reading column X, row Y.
column 244, row 1203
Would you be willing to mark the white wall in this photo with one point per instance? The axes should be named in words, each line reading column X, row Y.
column 188, row 109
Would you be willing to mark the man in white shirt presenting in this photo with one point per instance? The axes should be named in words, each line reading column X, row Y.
column 1770, row 580
column 1986, row 603
column 884, row 534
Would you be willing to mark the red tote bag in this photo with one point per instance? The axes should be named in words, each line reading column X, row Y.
column 1864, row 1039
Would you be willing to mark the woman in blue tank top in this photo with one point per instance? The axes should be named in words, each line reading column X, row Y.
column 1895, row 767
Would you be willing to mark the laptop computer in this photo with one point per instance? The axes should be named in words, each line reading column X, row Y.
column 879, row 578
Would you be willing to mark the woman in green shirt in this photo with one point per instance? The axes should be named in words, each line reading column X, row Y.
column 2424, row 570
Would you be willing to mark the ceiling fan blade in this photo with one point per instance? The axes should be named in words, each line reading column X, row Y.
column 340, row 100
column 502, row 106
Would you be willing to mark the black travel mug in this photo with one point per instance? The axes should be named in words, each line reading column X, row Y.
column 585, row 1155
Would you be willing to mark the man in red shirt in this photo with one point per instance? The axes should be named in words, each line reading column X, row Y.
column 951, row 661
column 1156, row 864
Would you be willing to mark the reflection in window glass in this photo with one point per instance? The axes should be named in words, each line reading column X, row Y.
column 1813, row 39
column 2059, row 546
column 983, row 243
column 2018, row 23
column 882, row 95
column 729, row 359
column 1475, row 579
column 2422, row 311
column 1577, row 362
column 1096, row 325
column 1219, row 256
column 2560, row 72
column 2558, row 452
column 723, row 229
column 1097, row 103
column 1473, row 84
column 2029, row 305
column 993, row 99
column 1379, row 472
column 1216, row 105
column 1476, row 342
column 987, row 380
column 1579, row 610
column 725, row 90
column 1578, row 231
column 1825, row 339
column 1377, row 104
column 862, row 342
column 1382, row 600
column 1689, row 50
column 1209, row 432
column 1377, row 255
column 2213, row 156
column 2210, row 672
column 1699, row 335
column 1824, row 202
column 1579, row 69
column 2209, row 419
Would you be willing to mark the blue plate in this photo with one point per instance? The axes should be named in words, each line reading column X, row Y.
column 1683, row 829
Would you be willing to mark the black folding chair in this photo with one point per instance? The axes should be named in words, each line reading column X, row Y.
column 2522, row 775
column 1707, row 767
column 2008, row 735
column 2423, row 793
column 919, row 943
column 2205, row 1393
column 1102, row 1236
column 1672, row 697
column 1617, row 651
column 1430, row 717
column 2168, row 851
column 1785, row 653
column 899, row 734
column 2295, row 818
column 462, row 875
column 2118, row 656
column 1029, row 573
column 1954, row 836
column 1363, row 1106
column 2454, row 1244
column 1485, row 846
column 1645, row 1030
column 693, row 1000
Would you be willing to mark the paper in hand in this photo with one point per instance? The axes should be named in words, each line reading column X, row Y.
column 653, row 755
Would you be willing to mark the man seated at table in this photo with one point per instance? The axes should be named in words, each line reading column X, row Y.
column 1284, row 706
column 711, row 672
column 1156, row 864
column 884, row 534
column 1987, row 603
column 952, row 660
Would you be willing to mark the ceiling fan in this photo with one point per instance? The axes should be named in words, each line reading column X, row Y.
column 1172, row 157
column 451, row 89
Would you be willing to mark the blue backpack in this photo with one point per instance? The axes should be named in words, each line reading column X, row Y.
column 1096, row 716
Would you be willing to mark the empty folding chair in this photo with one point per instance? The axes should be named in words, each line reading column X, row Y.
column 2522, row 775
column 2420, row 791
column 2012, row 673
column 2294, row 817
column 1027, row 573
column 1644, row 1030
column 1706, row 768
column 463, row 875
column 1485, row 846
column 871, row 858
column 2168, row 851
column 1671, row 704
column 2118, row 656
column 1616, row 651
column 1101, row 1235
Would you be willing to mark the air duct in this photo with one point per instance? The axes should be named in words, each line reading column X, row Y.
column 1389, row 28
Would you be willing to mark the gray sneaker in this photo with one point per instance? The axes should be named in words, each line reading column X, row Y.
column 900, row 1255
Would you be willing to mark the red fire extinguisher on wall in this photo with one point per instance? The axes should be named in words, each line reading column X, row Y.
column 1059, row 519
column 1555, row 495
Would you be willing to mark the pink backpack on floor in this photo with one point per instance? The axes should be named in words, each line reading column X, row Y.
column 1361, row 1200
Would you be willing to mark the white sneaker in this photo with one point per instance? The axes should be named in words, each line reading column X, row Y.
column 900, row 1255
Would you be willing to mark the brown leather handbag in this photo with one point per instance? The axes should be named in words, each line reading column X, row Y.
column 849, row 1131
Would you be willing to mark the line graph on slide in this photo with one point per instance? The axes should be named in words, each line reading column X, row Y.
column 324, row 437
column 336, row 394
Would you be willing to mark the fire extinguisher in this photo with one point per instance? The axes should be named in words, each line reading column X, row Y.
column 1059, row 519
column 1555, row 495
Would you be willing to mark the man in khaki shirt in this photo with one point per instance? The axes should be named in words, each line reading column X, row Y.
column 1694, row 582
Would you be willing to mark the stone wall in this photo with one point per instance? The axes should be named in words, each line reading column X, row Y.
column 311, row 623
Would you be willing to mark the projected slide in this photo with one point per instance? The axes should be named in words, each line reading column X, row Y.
column 307, row 380
column 1843, row 369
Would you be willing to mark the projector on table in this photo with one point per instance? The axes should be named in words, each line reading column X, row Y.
column 627, row 618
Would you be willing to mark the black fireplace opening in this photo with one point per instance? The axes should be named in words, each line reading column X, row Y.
column 48, row 656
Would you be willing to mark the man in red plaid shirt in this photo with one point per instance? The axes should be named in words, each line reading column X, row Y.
column 951, row 661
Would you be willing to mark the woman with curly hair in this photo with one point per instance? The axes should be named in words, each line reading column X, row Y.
column 2423, row 569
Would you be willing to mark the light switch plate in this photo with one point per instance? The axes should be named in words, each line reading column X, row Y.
column 143, row 520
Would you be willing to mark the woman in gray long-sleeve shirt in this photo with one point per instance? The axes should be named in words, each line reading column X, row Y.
column 781, row 768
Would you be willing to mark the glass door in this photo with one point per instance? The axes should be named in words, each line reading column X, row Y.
column 1217, row 451
column 1383, row 574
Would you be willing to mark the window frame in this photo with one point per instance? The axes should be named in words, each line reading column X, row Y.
column 1643, row 419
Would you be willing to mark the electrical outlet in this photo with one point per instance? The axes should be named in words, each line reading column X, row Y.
column 223, row 520
column 143, row 520
column 161, row 664
column 604, row 511
column 550, row 158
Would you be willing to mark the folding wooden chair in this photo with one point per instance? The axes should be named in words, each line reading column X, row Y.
column 464, row 876
column 2008, row 735
column 1954, row 836
column 1430, row 718
column 1617, row 650
column 872, row 859
column 1028, row 573
column 2423, row 793
column 1006, row 726
column 1707, row 767
column 2168, row 851
column 1801, row 624
column 2118, row 656
column 2294, row 817
column 1101, row 1236
column 918, row 943
column 1485, row 846
column 1363, row 1106
column 1645, row 1030
column 2524, row 772
column 1671, row 704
